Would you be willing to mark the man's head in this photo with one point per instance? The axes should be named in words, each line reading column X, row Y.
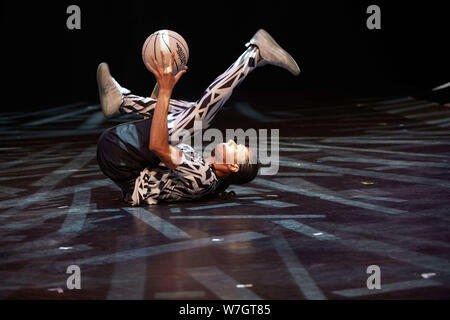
column 235, row 163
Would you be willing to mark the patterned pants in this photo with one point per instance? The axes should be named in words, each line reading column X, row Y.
column 182, row 114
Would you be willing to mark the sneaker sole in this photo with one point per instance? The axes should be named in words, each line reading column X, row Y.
column 263, row 36
column 102, row 75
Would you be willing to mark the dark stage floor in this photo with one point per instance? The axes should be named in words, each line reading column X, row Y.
column 360, row 183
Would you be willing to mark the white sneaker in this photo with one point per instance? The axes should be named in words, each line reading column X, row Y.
column 272, row 53
column 110, row 92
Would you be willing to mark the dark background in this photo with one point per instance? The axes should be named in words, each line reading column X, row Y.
column 45, row 64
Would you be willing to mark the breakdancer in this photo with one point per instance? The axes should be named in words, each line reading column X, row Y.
column 141, row 157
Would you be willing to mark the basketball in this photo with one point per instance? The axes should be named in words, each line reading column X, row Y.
column 168, row 41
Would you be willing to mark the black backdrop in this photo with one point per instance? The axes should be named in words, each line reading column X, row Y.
column 45, row 64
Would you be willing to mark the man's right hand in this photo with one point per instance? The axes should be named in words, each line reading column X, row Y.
column 164, row 74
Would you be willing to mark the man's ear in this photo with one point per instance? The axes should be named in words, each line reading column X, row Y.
column 233, row 167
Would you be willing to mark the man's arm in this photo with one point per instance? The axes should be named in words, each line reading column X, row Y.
column 154, row 95
column 159, row 133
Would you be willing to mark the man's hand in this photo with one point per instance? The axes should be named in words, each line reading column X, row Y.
column 164, row 74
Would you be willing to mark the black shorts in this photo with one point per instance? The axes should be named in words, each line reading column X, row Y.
column 122, row 153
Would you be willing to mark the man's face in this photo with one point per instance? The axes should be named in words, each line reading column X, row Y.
column 230, row 153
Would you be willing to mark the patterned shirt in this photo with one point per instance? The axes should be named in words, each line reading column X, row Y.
column 192, row 179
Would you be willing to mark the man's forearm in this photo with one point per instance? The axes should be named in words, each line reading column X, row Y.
column 154, row 95
column 159, row 133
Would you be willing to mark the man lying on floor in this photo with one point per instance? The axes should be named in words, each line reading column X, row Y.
column 138, row 155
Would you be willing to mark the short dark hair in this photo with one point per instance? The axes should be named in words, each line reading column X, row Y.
column 246, row 173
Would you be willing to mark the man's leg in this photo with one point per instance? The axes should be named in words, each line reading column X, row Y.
column 145, row 106
column 262, row 49
column 182, row 114
column 116, row 99
column 215, row 96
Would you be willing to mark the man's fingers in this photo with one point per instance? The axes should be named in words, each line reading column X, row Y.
column 152, row 69
column 179, row 74
column 172, row 59
column 157, row 68
column 163, row 62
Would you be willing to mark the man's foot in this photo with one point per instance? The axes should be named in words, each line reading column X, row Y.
column 109, row 90
column 272, row 53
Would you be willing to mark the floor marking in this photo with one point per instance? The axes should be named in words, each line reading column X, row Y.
column 388, row 162
column 13, row 238
column 88, row 174
column 384, row 108
column 244, row 190
column 128, row 281
column 306, row 230
column 61, row 116
column 433, row 134
column 391, row 287
column 36, row 155
column 412, row 108
column 382, row 140
column 48, row 182
column 43, row 253
column 396, row 100
column 444, row 120
column 76, row 215
column 106, row 219
column 366, row 173
column 275, row 203
column 54, row 110
column 298, row 272
column 215, row 206
column 266, row 216
column 444, row 125
column 34, row 167
column 106, row 210
column 394, row 234
column 93, row 121
column 151, row 251
column 367, row 197
column 26, row 135
column 250, row 198
column 384, row 129
column 396, row 253
column 325, row 196
column 221, row 284
column 307, row 174
column 410, row 154
column 167, row 229
column 387, row 168
column 287, row 149
column 43, row 196
column 10, row 190
column 34, row 244
column 68, row 169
